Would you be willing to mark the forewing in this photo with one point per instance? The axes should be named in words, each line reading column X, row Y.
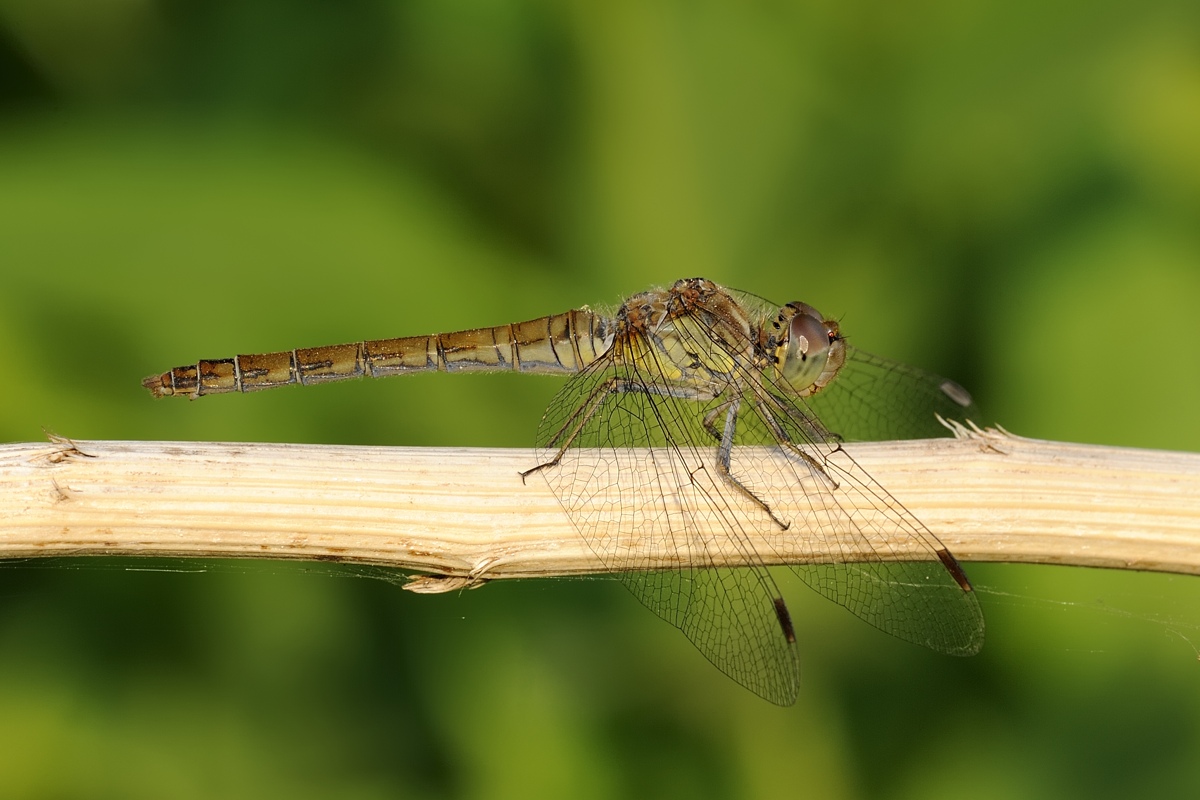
column 638, row 477
column 876, row 399
column 858, row 545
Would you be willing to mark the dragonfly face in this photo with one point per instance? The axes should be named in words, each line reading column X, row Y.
column 810, row 350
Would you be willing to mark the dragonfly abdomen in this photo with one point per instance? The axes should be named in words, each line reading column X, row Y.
column 560, row 343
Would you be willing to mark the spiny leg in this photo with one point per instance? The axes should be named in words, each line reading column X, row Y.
column 582, row 415
column 725, row 454
column 791, row 447
column 578, row 419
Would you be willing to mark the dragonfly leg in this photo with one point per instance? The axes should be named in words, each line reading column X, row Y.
column 725, row 453
column 575, row 423
column 582, row 415
column 710, row 420
column 792, row 448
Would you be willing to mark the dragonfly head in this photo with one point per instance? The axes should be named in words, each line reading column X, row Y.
column 809, row 350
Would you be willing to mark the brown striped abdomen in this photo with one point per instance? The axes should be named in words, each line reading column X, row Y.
column 561, row 343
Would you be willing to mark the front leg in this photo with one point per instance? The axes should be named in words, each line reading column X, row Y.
column 790, row 447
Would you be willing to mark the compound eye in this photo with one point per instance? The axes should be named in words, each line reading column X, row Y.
column 809, row 339
column 810, row 335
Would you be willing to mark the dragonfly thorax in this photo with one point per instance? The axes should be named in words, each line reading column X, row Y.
column 810, row 350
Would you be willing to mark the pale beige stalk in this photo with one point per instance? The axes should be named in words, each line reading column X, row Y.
column 988, row 496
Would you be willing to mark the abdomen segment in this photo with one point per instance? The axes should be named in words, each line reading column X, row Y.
column 561, row 343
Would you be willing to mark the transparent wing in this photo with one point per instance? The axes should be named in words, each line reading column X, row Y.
column 639, row 479
column 634, row 458
column 861, row 547
column 875, row 399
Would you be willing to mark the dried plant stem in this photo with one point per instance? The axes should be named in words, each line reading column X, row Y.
column 466, row 513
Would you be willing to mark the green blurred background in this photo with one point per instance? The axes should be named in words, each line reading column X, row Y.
column 1008, row 193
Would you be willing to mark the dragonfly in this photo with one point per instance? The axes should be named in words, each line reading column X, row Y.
column 700, row 421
